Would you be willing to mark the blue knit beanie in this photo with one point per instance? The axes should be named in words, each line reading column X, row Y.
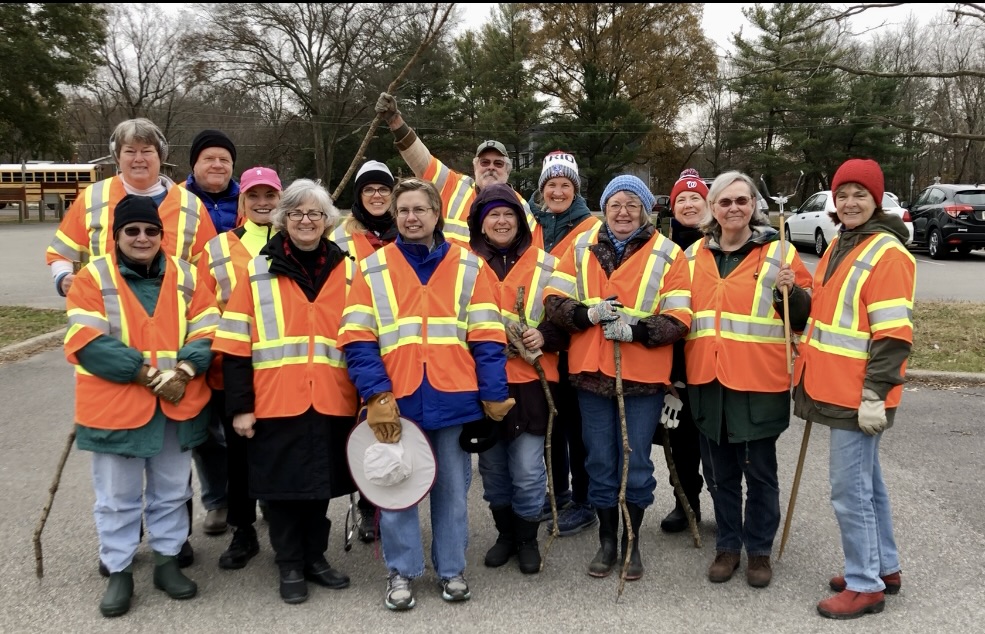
column 633, row 185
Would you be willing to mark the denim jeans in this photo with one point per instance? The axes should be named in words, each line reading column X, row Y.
column 400, row 531
column 210, row 462
column 724, row 465
column 601, row 431
column 514, row 474
column 861, row 504
column 122, row 498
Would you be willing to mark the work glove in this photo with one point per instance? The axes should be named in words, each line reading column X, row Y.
column 386, row 107
column 497, row 410
column 872, row 413
column 514, row 332
column 384, row 417
column 617, row 330
column 670, row 415
column 604, row 311
column 146, row 375
column 170, row 384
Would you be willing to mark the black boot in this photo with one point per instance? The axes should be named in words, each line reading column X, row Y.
column 635, row 569
column 527, row 551
column 676, row 520
column 243, row 548
column 605, row 558
column 119, row 591
column 505, row 546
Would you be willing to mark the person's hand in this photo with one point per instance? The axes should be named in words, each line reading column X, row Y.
column 604, row 311
column 497, row 410
column 872, row 413
column 670, row 415
column 146, row 375
column 526, row 343
column 170, row 384
column 383, row 417
column 66, row 283
column 784, row 280
column 617, row 330
column 386, row 107
column 243, row 424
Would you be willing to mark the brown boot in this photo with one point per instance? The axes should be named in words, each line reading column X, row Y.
column 758, row 571
column 723, row 567
column 851, row 605
column 893, row 583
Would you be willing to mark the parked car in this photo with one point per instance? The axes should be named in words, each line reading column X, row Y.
column 811, row 225
column 947, row 217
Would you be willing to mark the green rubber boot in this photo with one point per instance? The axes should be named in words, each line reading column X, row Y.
column 119, row 591
column 168, row 577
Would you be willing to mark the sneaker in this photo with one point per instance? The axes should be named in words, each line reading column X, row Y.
column 575, row 518
column 893, row 583
column 545, row 511
column 399, row 595
column 455, row 589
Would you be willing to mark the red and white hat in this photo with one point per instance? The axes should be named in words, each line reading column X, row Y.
column 689, row 181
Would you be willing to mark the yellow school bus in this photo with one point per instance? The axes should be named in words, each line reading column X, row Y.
column 54, row 184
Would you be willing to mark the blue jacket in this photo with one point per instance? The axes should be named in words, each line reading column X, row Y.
column 222, row 207
column 444, row 409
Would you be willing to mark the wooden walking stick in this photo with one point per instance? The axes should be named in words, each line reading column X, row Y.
column 626, row 449
column 38, row 556
column 692, row 520
column 426, row 42
column 551, row 413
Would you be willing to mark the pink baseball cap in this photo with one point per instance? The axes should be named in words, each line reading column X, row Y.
column 259, row 176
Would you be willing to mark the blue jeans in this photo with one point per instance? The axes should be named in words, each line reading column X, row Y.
column 600, row 428
column 400, row 531
column 725, row 464
column 210, row 462
column 861, row 504
column 514, row 474
column 122, row 498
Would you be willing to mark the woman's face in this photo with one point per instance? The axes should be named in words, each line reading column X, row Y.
column 500, row 226
column 140, row 164
column 143, row 245
column 559, row 192
column 375, row 198
column 416, row 219
column 259, row 201
column 690, row 209
column 734, row 216
column 854, row 205
column 306, row 231
column 623, row 214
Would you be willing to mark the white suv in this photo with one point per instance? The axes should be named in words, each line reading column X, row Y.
column 810, row 224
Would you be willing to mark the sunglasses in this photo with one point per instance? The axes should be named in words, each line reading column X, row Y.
column 725, row 203
column 150, row 232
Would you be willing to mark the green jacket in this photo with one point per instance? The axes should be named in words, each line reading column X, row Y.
column 112, row 360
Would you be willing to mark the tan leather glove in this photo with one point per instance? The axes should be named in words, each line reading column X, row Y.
column 146, row 375
column 383, row 417
column 386, row 107
column 497, row 410
column 514, row 333
column 170, row 384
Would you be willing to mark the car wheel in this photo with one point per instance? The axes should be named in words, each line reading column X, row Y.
column 786, row 235
column 935, row 245
column 964, row 249
column 820, row 244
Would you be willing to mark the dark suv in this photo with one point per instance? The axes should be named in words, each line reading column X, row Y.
column 949, row 216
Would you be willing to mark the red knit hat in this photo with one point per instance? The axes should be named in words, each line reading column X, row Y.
column 689, row 181
column 865, row 172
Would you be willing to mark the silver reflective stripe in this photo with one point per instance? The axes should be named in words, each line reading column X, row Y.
column 542, row 275
column 166, row 363
column 454, row 228
column 469, row 275
column 662, row 250
column 456, row 206
column 341, row 237
column 563, row 285
column 746, row 328
column 89, row 321
column 446, row 331
column 264, row 281
column 859, row 268
column 583, row 242
column 891, row 313
column 375, row 269
column 441, row 176
column 235, row 326
column 847, row 342
column 189, row 218
column 405, row 331
column 98, row 216
column 280, row 352
column 767, row 277
column 207, row 320
column 184, row 280
column 673, row 302
column 702, row 323
column 329, row 351
column 221, row 254
column 111, row 296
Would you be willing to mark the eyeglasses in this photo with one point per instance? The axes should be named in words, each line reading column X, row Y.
column 499, row 163
column 369, row 192
column 629, row 207
column 313, row 216
column 725, row 203
column 416, row 211
column 150, row 232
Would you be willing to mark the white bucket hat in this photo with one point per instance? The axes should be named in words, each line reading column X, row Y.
column 393, row 476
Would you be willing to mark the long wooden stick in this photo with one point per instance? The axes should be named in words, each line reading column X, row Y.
column 786, row 298
column 692, row 520
column 38, row 556
column 426, row 42
column 796, row 486
column 626, row 449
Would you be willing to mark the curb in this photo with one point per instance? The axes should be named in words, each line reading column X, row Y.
column 969, row 378
column 33, row 345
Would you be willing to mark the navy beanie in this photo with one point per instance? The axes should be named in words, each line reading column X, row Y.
column 135, row 209
column 211, row 138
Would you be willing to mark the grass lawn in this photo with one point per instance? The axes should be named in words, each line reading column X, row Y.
column 18, row 323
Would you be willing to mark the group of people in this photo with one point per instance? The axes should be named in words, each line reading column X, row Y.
column 448, row 308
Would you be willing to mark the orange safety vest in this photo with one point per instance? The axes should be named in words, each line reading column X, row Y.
column 296, row 363
column 355, row 243
column 87, row 228
column 101, row 303
column 532, row 271
column 736, row 335
column 457, row 196
column 417, row 324
column 653, row 281
column 861, row 301
column 586, row 224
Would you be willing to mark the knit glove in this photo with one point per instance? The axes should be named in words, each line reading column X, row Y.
column 617, row 330
column 170, row 384
column 670, row 415
column 497, row 410
column 146, row 375
column 383, row 417
column 386, row 107
column 604, row 311
column 514, row 333
column 872, row 413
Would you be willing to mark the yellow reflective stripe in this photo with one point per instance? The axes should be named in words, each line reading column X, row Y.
column 97, row 217
column 702, row 324
column 341, row 237
column 468, row 272
column 891, row 313
column 66, row 247
column 456, row 229
column 653, row 273
column 543, row 269
column 235, row 326
column 266, row 297
column 762, row 300
column 849, row 296
column 186, row 288
column 582, row 255
column 674, row 300
column 441, row 175
column 457, row 210
column 751, row 329
column 221, row 266
column 325, row 352
column 484, row 316
column 375, row 267
column 410, row 330
column 839, row 341
column 564, row 284
column 79, row 318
